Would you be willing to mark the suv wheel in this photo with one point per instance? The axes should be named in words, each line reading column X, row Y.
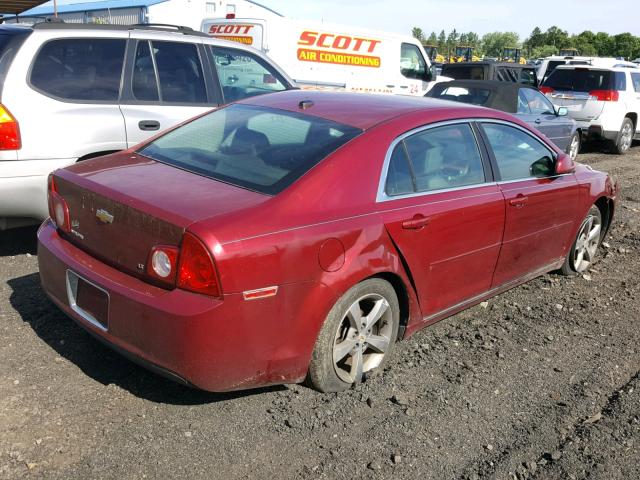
column 622, row 144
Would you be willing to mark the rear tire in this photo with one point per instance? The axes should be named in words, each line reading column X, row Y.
column 623, row 141
column 584, row 248
column 357, row 337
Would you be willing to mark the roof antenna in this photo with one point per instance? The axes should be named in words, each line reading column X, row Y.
column 304, row 104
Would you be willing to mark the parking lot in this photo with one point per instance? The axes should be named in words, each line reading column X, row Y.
column 540, row 382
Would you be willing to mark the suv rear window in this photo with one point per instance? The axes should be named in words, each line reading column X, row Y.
column 585, row 80
column 80, row 68
column 10, row 42
column 463, row 73
column 257, row 148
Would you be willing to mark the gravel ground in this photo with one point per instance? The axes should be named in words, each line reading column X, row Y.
column 543, row 382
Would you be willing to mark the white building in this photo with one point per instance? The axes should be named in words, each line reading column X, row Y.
column 189, row 13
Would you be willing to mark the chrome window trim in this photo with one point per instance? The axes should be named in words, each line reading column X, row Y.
column 382, row 194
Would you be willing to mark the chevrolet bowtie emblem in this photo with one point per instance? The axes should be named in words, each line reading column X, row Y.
column 104, row 216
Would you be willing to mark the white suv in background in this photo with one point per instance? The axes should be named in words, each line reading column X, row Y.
column 604, row 102
column 70, row 92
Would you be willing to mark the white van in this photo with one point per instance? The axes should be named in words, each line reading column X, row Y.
column 336, row 57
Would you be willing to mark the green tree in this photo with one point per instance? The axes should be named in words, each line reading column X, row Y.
column 585, row 43
column 452, row 38
column 543, row 51
column 603, row 44
column 418, row 34
column 433, row 39
column 624, row 45
column 493, row 43
column 442, row 40
column 556, row 37
column 536, row 39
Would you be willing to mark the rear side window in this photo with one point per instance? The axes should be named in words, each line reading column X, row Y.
column 585, row 80
column 439, row 158
column 10, row 42
column 257, row 148
column 507, row 75
column 528, row 76
column 83, row 69
column 179, row 72
column 635, row 78
column 243, row 74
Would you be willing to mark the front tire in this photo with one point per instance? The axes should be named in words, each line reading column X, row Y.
column 357, row 337
column 622, row 143
column 584, row 248
column 574, row 146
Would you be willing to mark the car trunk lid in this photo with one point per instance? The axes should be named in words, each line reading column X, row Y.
column 122, row 205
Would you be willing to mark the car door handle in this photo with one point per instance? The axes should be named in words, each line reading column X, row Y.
column 416, row 223
column 518, row 202
column 404, row 86
column 149, row 125
column 537, row 120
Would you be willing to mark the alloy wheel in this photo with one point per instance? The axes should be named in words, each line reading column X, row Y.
column 363, row 338
column 626, row 137
column 586, row 243
column 574, row 147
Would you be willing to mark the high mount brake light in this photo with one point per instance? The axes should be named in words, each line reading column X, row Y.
column 9, row 131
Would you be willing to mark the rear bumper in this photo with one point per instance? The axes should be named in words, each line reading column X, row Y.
column 596, row 131
column 23, row 187
column 213, row 344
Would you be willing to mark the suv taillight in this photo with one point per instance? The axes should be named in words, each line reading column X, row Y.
column 58, row 208
column 9, row 131
column 545, row 90
column 605, row 95
column 190, row 267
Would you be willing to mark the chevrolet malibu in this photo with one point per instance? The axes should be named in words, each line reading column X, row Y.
column 297, row 236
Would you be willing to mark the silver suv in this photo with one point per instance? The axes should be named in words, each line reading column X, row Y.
column 70, row 92
column 603, row 100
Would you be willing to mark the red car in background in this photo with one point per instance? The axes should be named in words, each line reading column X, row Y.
column 298, row 235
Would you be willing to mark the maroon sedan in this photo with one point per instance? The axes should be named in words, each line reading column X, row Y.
column 298, row 235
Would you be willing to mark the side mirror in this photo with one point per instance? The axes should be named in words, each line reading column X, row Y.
column 562, row 112
column 564, row 164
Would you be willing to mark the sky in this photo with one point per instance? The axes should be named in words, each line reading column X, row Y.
column 480, row 16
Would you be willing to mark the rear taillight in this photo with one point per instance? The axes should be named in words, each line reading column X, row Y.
column 162, row 264
column 58, row 208
column 9, row 131
column 196, row 270
column 189, row 267
column 546, row 90
column 605, row 95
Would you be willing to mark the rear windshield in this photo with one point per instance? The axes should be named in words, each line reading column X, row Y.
column 463, row 73
column 473, row 95
column 585, row 80
column 257, row 148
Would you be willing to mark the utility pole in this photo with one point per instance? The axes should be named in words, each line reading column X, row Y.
column 55, row 8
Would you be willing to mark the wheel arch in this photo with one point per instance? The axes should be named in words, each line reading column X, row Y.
column 634, row 118
column 606, row 207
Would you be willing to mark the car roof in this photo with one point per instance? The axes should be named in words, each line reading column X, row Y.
column 492, row 64
column 620, row 67
column 358, row 110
